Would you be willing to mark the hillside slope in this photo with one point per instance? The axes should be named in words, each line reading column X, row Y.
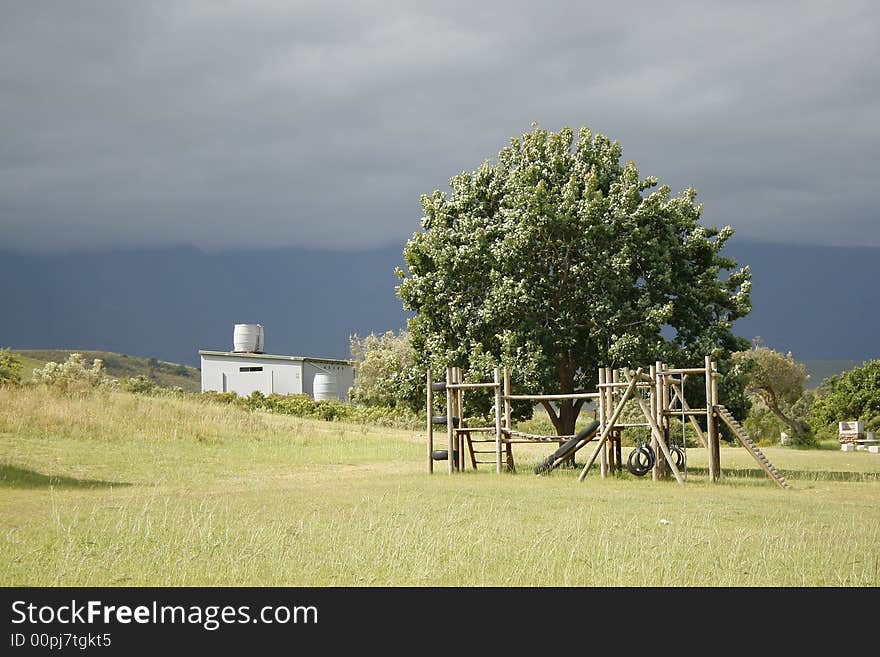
column 118, row 366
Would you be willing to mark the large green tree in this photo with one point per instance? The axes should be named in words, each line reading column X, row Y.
column 557, row 258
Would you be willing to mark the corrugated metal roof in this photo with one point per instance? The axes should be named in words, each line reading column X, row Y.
column 239, row 354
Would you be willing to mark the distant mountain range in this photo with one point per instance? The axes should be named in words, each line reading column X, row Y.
column 821, row 303
column 169, row 303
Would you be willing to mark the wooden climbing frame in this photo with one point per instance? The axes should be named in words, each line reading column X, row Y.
column 659, row 394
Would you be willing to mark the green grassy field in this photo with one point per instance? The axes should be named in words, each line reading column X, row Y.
column 117, row 365
column 119, row 489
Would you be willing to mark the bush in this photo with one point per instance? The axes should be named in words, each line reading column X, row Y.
column 10, row 368
column 74, row 374
column 219, row 397
column 330, row 410
column 385, row 370
column 138, row 384
column 763, row 426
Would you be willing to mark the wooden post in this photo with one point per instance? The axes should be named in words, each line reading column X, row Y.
column 664, row 448
column 507, row 410
column 430, row 383
column 459, row 413
column 711, row 428
column 603, row 455
column 507, row 416
column 664, row 424
column 716, row 446
column 615, row 435
column 700, row 435
column 610, row 394
column 656, row 411
column 607, row 430
column 450, row 411
column 619, row 450
column 497, row 380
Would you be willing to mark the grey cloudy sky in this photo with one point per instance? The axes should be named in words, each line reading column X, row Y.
column 255, row 123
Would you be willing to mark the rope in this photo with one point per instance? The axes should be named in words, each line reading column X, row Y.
column 532, row 436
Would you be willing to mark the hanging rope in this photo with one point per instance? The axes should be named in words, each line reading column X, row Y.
column 537, row 438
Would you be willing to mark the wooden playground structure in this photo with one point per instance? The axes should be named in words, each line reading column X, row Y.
column 659, row 394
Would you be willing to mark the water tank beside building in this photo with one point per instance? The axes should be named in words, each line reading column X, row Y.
column 324, row 386
column 248, row 338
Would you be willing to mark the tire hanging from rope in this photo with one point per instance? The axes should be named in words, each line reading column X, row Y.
column 641, row 460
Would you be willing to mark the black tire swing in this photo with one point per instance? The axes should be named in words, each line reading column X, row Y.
column 678, row 456
column 641, row 460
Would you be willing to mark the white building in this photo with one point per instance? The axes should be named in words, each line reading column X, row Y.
column 243, row 372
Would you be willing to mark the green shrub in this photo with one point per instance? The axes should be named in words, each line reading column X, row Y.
column 138, row 384
column 219, row 397
column 763, row 426
column 10, row 368
column 330, row 410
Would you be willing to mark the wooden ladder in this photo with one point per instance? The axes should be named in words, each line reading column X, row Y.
column 750, row 445
column 477, row 454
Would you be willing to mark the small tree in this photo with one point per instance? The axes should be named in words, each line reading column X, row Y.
column 778, row 381
column 10, row 368
column 384, row 367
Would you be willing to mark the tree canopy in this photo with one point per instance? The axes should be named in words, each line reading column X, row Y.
column 383, row 363
column 557, row 258
column 778, row 380
column 852, row 395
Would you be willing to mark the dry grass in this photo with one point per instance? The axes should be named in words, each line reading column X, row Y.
column 117, row 489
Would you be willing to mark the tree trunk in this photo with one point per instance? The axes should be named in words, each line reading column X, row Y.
column 796, row 426
column 768, row 396
column 565, row 419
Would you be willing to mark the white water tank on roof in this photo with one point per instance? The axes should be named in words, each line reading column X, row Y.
column 324, row 386
column 248, row 338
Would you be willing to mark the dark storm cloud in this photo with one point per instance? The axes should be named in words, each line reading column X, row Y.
column 273, row 123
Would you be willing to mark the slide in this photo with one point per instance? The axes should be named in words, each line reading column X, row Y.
column 569, row 447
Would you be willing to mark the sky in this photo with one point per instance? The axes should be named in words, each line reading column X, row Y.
column 251, row 124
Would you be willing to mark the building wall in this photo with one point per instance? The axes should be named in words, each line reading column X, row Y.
column 344, row 376
column 225, row 374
